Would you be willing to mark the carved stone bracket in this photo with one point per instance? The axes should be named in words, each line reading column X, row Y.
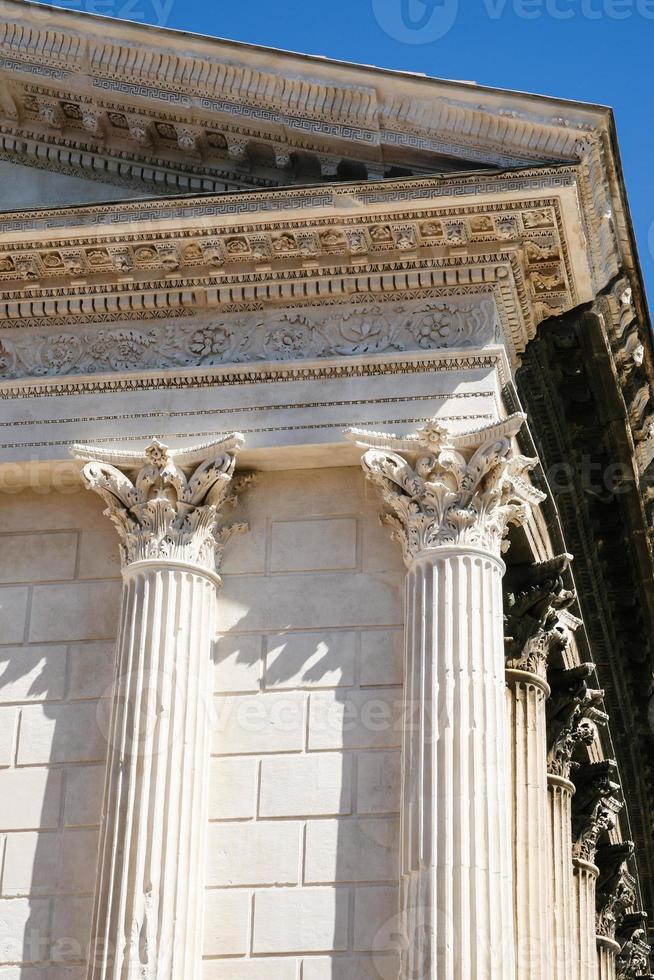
column 616, row 888
column 167, row 505
column 573, row 716
column 634, row 960
column 444, row 489
column 533, row 628
column 595, row 808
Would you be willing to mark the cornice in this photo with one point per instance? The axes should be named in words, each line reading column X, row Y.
column 226, row 89
column 515, row 237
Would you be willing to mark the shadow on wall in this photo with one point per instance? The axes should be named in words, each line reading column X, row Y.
column 59, row 595
column 307, row 730
column 303, row 839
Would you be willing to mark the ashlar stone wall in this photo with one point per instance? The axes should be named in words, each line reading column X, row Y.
column 307, row 713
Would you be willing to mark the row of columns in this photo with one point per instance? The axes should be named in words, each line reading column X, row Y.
column 489, row 820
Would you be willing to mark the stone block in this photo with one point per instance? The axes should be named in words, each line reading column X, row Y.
column 380, row 553
column 71, row 927
column 233, row 788
column 315, row 600
column 13, row 614
column 84, row 789
column 318, row 545
column 61, row 733
column 352, row 850
column 30, row 799
column 50, row 863
column 32, row 673
column 379, row 782
column 46, row 509
column 317, row 784
column 237, row 664
column 91, row 669
column 45, row 557
column 261, row 853
column 256, row 969
column 75, row 611
column 355, row 719
column 300, row 919
column 246, row 553
column 259, row 723
column 382, row 658
column 329, row 492
column 24, row 930
column 99, row 556
column 226, row 922
column 383, row 966
column 8, row 723
column 376, row 919
column 310, row 659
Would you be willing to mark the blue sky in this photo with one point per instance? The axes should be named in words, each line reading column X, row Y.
column 591, row 50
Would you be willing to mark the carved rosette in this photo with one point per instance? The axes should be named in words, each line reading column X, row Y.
column 167, row 505
column 533, row 626
column 444, row 489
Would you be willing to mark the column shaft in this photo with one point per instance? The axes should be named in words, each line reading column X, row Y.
column 585, row 879
column 147, row 919
column 456, row 856
column 607, row 950
column 563, row 913
column 531, row 852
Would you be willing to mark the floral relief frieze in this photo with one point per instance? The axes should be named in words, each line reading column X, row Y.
column 237, row 338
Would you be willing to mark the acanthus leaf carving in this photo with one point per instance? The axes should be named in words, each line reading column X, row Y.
column 295, row 334
column 595, row 807
column 167, row 505
column 634, row 959
column 574, row 713
column 616, row 888
column 535, row 595
column 462, row 490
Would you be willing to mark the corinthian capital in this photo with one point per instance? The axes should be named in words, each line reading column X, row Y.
column 167, row 505
column 595, row 808
column 534, row 627
column 616, row 888
column 633, row 961
column 446, row 489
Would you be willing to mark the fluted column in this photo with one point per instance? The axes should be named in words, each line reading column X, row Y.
column 148, row 908
column 616, row 896
column 584, row 878
column 595, row 811
column 535, row 597
column 568, row 727
column 451, row 500
column 531, row 859
column 607, row 951
column 560, row 792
